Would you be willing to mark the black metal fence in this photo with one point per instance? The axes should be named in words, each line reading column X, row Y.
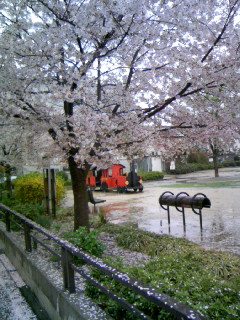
column 68, row 252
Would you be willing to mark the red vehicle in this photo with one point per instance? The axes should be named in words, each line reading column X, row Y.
column 114, row 178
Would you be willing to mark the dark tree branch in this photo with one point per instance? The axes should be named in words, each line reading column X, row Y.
column 79, row 42
column 120, row 42
column 99, row 86
column 219, row 37
column 59, row 17
column 156, row 109
column 154, row 68
column 152, row 111
column 131, row 71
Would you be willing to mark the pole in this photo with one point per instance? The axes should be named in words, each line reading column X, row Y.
column 46, row 193
column 53, row 192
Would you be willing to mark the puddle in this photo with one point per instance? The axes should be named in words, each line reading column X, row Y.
column 221, row 222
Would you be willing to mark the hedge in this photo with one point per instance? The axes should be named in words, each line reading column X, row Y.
column 230, row 163
column 153, row 175
column 192, row 167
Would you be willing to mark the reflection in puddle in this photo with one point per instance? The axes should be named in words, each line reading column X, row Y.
column 110, row 210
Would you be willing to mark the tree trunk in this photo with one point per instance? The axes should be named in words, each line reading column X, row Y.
column 81, row 210
column 215, row 162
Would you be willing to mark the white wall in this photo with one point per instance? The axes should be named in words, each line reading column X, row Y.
column 157, row 164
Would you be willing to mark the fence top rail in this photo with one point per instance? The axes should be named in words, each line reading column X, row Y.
column 170, row 304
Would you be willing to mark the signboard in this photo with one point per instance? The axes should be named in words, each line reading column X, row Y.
column 172, row 165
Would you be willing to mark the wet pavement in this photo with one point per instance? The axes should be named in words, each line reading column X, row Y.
column 221, row 222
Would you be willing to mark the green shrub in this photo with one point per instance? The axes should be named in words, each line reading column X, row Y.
column 86, row 241
column 30, row 188
column 63, row 175
column 30, row 210
column 197, row 157
column 183, row 168
column 44, row 221
column 229, row 163
column 60, row 190
column 153, row 175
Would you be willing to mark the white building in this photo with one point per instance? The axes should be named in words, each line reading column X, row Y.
column 146, row 164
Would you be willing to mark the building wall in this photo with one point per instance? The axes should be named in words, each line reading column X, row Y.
column 147, row 164
column 157, row 164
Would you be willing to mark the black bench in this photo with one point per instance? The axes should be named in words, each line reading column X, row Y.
column 92, row 200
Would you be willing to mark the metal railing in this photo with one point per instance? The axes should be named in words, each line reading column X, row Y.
column 68, row 252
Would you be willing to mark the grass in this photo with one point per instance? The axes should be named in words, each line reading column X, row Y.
column 201, row 185
column 207, row 281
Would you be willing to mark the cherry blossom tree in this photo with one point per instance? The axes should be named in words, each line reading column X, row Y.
column 220, row 127
column 100, row 76
column 207, row 124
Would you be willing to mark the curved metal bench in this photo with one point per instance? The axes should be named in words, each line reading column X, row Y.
column 92, row 199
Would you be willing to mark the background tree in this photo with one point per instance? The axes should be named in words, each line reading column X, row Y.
column 208, row 124
column 100, row 76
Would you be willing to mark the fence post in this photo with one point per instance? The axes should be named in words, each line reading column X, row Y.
column 68, row 272
column 46, row 190
column 8, row 221
column 28, row 242
column 34, row 244
column 53, row 191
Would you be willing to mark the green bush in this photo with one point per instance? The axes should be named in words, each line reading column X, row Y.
column 63, row 175
column 153, row 175
column 197, row 157
column 86, row 241
column 44, row 221
column 29, row 188
column 229, row 163
column 183, row 168
column 30, row 210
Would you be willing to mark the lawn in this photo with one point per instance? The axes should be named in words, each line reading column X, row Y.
column 201, row 185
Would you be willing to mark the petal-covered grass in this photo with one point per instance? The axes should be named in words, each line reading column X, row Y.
column 205, row 280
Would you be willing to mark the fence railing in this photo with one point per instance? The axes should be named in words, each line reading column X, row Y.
column 66, row 256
